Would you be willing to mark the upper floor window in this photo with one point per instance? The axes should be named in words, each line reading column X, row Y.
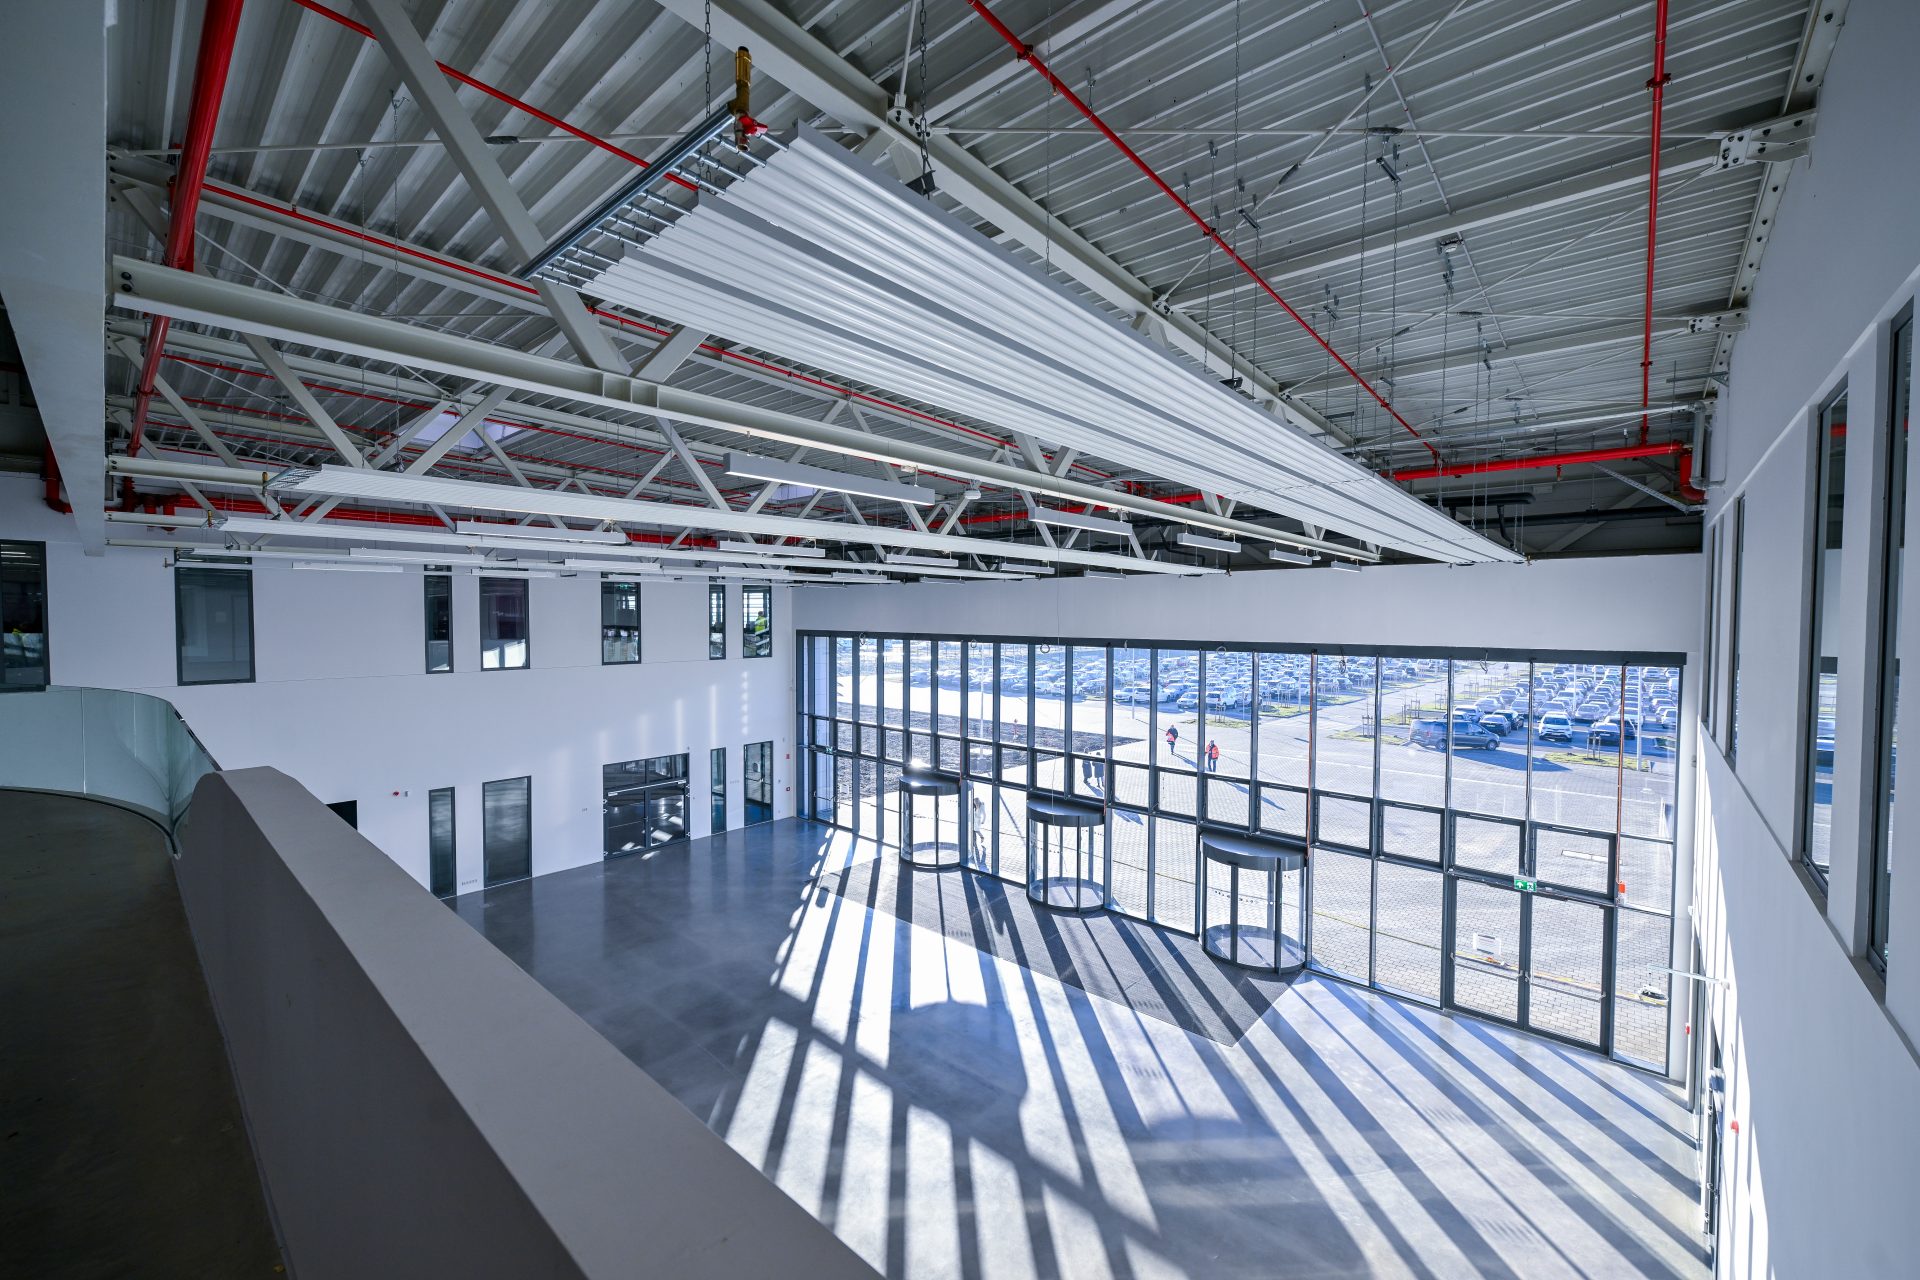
column 716, row 620
column 756, row 622
column 1823, row 676
column 213, row 625
column 503, row 624
column 619, row 622
column 1734, row 585
column 1880, row 886
column 23, row 615
column 439, row 602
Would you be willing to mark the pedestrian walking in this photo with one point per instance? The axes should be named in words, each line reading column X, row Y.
column 1213, row 756
column 977, row 811
column 1173, row 736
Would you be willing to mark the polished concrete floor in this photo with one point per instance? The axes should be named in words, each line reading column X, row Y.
column 121, row 1146
column 950, row 1111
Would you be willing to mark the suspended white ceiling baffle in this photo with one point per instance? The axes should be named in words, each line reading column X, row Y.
column 820, row 257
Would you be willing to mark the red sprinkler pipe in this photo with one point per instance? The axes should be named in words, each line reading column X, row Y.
column 1683, row 467
column 1659, row 86
column 217, row 31
column 1027, row 55
column 1620, row 454
column 50, row 472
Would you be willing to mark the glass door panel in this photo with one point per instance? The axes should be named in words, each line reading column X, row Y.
column 1566, row 970
column 1175, row 855
column 1486, row 949
column 1129, row 866
column 1406, row 950
column 1340, row 887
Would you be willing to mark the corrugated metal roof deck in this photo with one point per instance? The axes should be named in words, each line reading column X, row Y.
column 1557, row 290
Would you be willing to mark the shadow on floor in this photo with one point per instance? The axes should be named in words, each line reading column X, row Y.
column 122, row 1150
column 954, row 1111
column 1102, row 953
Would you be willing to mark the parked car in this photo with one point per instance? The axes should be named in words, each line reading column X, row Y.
column 1607, row 732
column 1497, row 722
column 1823, row 742
column 1555, row 726
column 1433, row 733
column 1187, row 702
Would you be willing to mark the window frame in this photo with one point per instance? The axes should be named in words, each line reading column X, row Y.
column 38, row 551
column 487, row 836
column 716, row 621
column 453, row 838
column 427, row 582
column 1632, row 842
column 489, row 582
column 716, row 790
column 747, row 781
column 616, row 587
column 1820, row 474
column 182, row 574
column 1730, row 669
column 1710, row 643
column 747, row 635
column 1895, row 459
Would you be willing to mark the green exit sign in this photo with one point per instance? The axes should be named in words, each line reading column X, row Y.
column 1525, row 885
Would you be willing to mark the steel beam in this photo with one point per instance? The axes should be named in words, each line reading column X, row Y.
column 310, row 405
column 1065, row 25
column 1572, row 344
column 1680, row 162
column 477, row 164
column 53, row 64
column 474, row 419
column 152, row 289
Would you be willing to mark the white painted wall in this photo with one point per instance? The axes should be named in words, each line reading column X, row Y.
column 341, row 704
column 1624, row 602
column 1823, row 1077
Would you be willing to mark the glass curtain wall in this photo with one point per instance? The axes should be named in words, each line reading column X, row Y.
column 1492, row 834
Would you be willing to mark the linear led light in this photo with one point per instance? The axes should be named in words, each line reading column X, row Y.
column 1201, row 542
column 364, row 482
column 514, row 571
column 345, row 566
column 854, row 577
column 1344, row 566
column 612, row 566
column 1102, row 573
column 784, row 262
column 752, row 466
column 771, row 549
column 416, row 557
column 1074, row 520
column 1288, row 557
column 735, row 571
column 490, row 529
column 643, row 554
column 902, row 557
column 1015, row 566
